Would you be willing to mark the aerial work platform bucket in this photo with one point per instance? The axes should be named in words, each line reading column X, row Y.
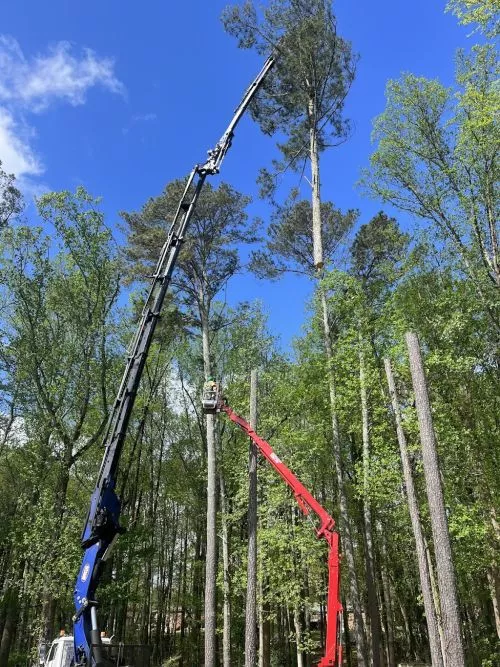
column 210, row 398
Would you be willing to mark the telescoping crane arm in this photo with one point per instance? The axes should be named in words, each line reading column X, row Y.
column 308, row 504
column 102, row 524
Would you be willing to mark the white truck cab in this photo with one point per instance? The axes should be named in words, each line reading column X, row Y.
column 62, row 651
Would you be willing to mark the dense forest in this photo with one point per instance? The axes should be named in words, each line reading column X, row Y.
column 387, row 407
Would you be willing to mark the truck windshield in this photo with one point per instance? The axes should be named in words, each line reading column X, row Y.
column 52, row 652
column 68, row 654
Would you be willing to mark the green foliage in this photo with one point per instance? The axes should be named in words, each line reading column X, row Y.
column 11, row 199
column 483, row 12
column 57, row 326
column 59, row 293
column 436, row 158
column 378, row 252
column 311, row 78
column 157, row 568
column 289, row 244
column 209, row 256
column 63, row 339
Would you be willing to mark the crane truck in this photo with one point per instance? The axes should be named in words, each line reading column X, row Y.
column 102, row 525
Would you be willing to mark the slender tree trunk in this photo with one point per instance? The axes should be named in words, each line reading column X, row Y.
column 211, row 550
column 251, row 601
column 347, row 634
column 49, row 601
column 494, row 572
column 265, row 633
column 316, row 188
column 408, row 634
column 423, row 568
column 453, row 648
column 348, row 548
column 264, row 626
column 226, row 631
column 317, row 239
column 494, row 588
column 492, row 225
column 197, row 588
column 9, row 628
column 435, row 594
column 319, row 263
column 297, row 622
column 171, row 564
column 386, row 590
column 182, row 632
column 367, row 514
column 281, row 634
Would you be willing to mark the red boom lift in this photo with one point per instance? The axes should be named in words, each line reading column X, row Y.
column 214, row 402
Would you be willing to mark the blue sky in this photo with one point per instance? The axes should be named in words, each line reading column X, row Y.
column 122, row 98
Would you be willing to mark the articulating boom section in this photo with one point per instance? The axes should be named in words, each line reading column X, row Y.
column 102, row 524
column 308, row 504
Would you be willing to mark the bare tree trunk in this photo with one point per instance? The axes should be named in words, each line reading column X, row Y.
column 316, row 189
column 317, row 239
column 251, row 601
column 347, row 634
column 226, row 631
column 197, row 596
column 425, row 581
column 9, row 628
column 494, row 573
column 453, row 648
column 49, row 601
column 297, row 622
column 211, row 550
column 494, row 587
column 373, row 610
column 354, row 596
column 386, row 590
column 435, row 594
column 264, row 626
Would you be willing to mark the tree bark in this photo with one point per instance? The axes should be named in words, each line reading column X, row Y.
column 453, row 648
column 197, row 597
column 362, row 654
column 297, row 623
column 318, row 259
column 435, row 593
column 389, row 617
column 251, row 600
column 264, row 626
column 494, row 572
column 494, row 588
column 367, row 513
column 211, row 548
column 316, row 189
column 425, row 580
column 9, row 628
column 49, row 601
column 226, row 631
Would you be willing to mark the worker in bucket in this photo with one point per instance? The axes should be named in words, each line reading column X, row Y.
column 210, row 395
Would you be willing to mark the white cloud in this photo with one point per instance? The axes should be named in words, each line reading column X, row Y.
column 58, row 75
column 32, row 85
column 16, row 154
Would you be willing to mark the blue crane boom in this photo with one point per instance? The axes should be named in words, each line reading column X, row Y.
column 102, row 525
